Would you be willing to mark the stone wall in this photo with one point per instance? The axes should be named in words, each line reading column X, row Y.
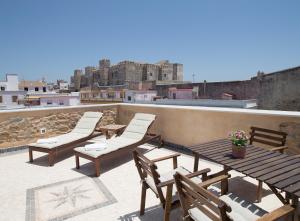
column 23, row 129
column 275, row 91
column 280, row 90
column 242, row 90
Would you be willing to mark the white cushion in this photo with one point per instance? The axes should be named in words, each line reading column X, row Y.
column 138, row 126
column 87, row 123
column 241, row 210
column 113, row 144
column 134, row 132
column 169, row 176
column 198, row 215
column 83, row 129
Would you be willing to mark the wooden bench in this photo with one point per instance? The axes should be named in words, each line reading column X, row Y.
column 273, row 140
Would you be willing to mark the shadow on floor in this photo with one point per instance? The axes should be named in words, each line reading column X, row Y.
column 244, row 189
column 43, row 160
column 151, row 213
column 118, row 158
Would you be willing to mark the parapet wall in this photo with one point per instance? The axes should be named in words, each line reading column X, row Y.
column 21, row 127
column 179, row 125
column 186, row 126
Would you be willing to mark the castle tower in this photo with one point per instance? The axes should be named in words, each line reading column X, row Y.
column 77, row 79
column 104, row 66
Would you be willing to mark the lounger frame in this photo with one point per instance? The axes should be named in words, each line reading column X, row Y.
column 53, row 152
column 96, row 160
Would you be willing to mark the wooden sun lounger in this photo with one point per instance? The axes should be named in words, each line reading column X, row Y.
column 84, row 130
column 134, row 135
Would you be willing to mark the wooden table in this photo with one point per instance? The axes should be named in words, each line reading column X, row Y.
column 279, row 171
column 113, row 128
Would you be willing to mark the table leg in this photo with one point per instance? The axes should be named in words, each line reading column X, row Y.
column 259, row 191
column 196, row 162
column 30, row 155
column 97, row 167
column 168, row 202
column 77, row 162
column 295, row 202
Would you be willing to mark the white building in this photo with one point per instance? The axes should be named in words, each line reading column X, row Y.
column 33, row 86
column 63, row 86
column 10, row 84
column 132, row 96
column 53, row 99
column 9, row 91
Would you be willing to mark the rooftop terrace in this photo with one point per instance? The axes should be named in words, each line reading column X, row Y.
column 39, row 192
column 35, row 191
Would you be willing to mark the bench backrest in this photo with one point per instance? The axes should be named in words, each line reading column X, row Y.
column 266, row 136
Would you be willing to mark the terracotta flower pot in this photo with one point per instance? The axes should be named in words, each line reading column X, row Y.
column 238, row 151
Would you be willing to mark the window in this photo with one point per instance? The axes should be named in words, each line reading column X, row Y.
column 25, row 88
column 49, row 102
column 14, row 99
column 150, row 74
column 36, row 89
column 2, row 88
column 129, row 98
column 61, row 103
column 1, row 99
column 165, row 75
column 44, row 89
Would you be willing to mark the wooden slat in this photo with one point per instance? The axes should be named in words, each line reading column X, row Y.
column 271, row 173
column 287, row 182
column 266, row 142
column 260, row 161
column 269, row 137
column 233, row 162
column 211, row 150
column 250, row 162
column 284, row 176
column 269, row 131
column 297, row 194
column 228, row 157
column 208, row 148
column 264, row 165
column 207, row 145
column 293, row 188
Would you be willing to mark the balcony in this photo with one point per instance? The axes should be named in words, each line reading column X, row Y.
column 35, row 191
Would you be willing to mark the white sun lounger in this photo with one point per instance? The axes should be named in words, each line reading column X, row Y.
column 84, row 130
column 135, row 134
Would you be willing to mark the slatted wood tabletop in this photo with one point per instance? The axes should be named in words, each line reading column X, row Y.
column 278, row 170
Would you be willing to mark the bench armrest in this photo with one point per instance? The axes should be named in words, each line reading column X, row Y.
column 278, row 213
column 214, row 180
column 172, row 156
column 280, row 149
column 190, row 175
column 166, row 157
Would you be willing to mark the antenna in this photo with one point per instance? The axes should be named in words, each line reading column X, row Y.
column 193, row 78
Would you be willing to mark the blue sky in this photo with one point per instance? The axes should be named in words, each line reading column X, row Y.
column 215, row 40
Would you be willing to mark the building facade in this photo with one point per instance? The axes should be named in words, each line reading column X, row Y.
column 33, row 86
column 125, row 72
column 10, row 95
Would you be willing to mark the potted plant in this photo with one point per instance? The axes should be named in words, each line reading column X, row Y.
column 239, row 141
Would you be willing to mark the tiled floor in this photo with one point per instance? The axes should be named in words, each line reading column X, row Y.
column 34, row 191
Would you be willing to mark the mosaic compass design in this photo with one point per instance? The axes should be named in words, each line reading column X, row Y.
column 62, row 200
column 69, row 195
